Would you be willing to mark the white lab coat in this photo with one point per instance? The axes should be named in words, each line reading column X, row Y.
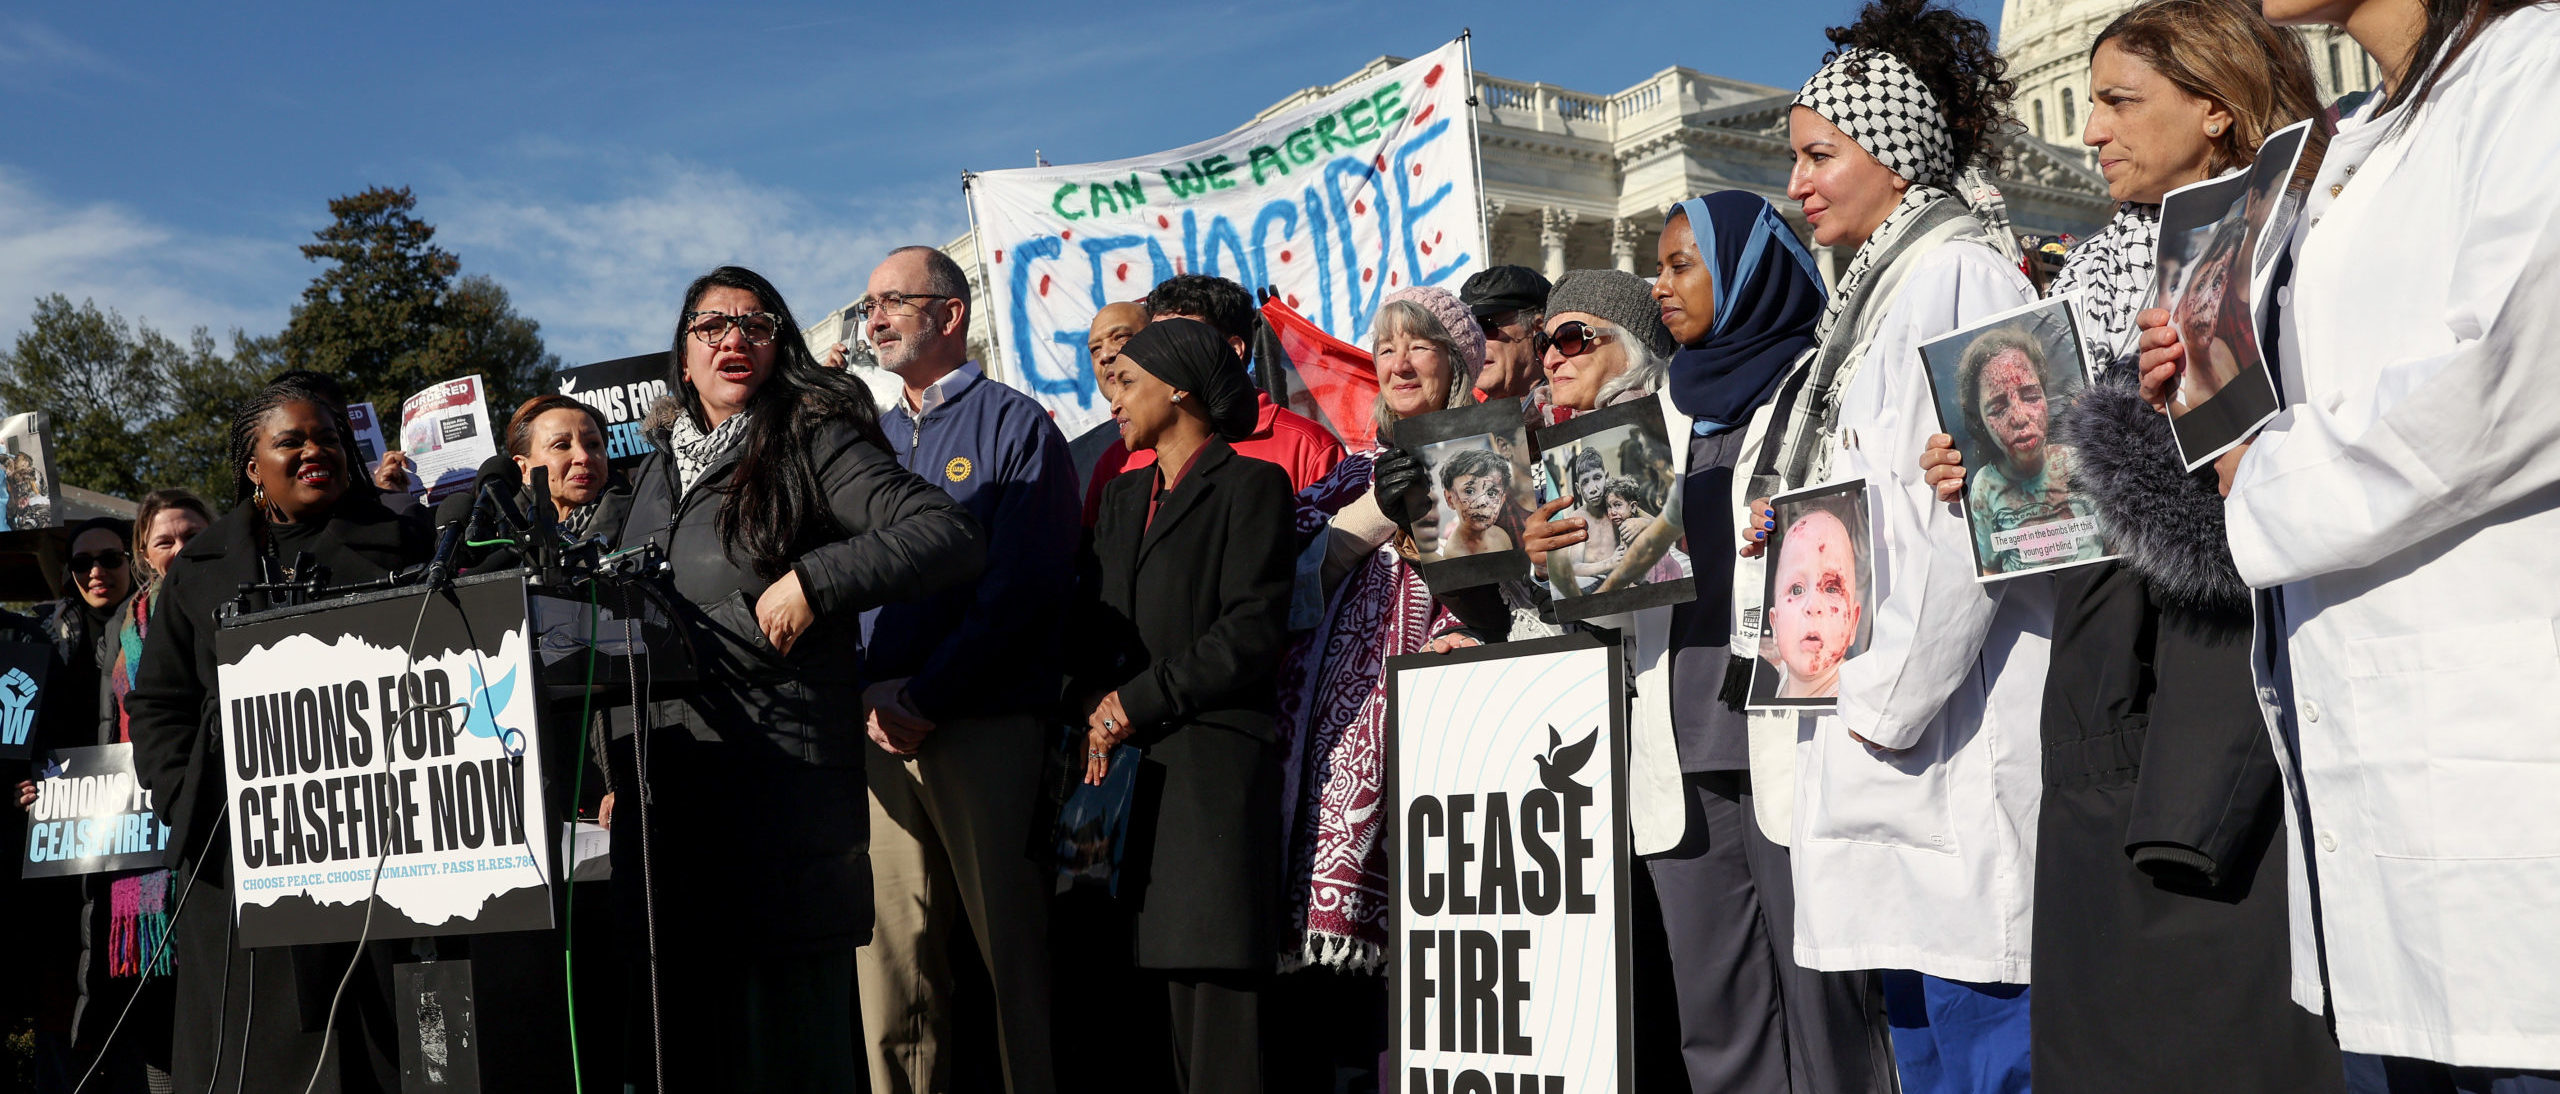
column 2405, row 508
column 1924, row 859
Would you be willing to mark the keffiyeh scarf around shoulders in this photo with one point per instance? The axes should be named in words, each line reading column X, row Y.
column 696, row 449
column 2112, row 271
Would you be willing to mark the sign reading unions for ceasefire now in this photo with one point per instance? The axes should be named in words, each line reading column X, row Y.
column 1334, row 204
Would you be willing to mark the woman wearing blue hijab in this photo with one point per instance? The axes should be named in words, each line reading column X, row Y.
column 1741, row 296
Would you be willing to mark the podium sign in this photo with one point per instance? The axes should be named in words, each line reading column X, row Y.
column 351, row 747
column 1507, row 769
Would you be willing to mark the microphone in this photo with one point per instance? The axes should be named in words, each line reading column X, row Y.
column 464, row 516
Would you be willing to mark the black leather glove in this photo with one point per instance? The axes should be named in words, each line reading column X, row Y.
column 1402, row 485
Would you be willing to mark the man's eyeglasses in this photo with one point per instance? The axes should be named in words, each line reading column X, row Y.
column 109, row 559
column 712, row 326
column 1573, row 339
column 893, row 303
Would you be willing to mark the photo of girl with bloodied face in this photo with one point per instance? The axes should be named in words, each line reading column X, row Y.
column 2000, row 386
column 1819, row 597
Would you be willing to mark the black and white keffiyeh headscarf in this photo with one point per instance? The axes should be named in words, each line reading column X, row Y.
column 1881, row 104
column 2112, row 271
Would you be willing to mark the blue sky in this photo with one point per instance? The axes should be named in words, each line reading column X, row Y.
column 166, row 160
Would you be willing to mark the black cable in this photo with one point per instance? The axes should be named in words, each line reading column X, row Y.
column 373, row 891
column 248, row 1022
column 648, row 870
column 222, row 1002
column 168, row 933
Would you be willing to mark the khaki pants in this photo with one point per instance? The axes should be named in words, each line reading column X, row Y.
column 948, row 829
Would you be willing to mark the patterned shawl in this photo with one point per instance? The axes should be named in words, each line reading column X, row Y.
column 2112, row 271
column 137, row 904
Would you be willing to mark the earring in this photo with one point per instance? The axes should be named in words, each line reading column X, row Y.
column 258, row 495
column 2213, row 130
column 1177, row 396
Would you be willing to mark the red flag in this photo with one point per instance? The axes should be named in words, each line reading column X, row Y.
column 1336, row 382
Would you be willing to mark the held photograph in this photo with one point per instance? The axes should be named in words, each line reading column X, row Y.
column 1819, row 597
column 1482, row 492
column 2214, row 255
column 2001, row 385
column 1615, row 463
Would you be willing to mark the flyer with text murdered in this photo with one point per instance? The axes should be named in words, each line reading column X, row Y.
column 445, row 430
column 369, row 769
column 1508, row 868
column 2002, row 387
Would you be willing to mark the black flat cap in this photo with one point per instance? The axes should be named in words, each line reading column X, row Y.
column 1505, row 288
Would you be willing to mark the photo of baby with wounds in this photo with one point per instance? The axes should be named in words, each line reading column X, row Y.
column 2000, row 387
column 1615, row 464
column 1818, row 598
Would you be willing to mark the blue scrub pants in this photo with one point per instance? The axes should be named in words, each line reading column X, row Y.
column 1950, row 1037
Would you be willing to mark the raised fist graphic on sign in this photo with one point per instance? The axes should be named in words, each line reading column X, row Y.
column 17, row 707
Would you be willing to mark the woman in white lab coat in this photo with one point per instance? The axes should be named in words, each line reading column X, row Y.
column 1915, row 813
column 2404, row 510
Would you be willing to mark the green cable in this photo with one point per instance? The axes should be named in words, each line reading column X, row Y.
column 577, row 793
column 488, row 542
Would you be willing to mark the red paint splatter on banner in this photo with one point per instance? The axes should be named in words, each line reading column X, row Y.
column 1426, row 248
column 1394, row 278
column 1360, row 207
column 1161, row 222
column 1425, row 116
column 1381, row 161
column 1044, row 284
column 1432, row 78
column 1068, row 234
column 1124, row 271
column 1284, row 256
column 1177, row 266
column 1367, row 273
column 1293, row 301
column 1417, row 170
column 1435, row 237
column 999, row 256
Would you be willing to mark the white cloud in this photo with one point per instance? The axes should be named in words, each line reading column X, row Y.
column 174, row 279
column 604, row 276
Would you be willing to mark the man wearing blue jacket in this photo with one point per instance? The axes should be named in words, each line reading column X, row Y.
column 956, row 687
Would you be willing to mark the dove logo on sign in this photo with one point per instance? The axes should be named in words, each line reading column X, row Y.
column 17, row 707
column 486, row 701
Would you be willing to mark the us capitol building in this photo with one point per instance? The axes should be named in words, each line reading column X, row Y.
column 1576, row 180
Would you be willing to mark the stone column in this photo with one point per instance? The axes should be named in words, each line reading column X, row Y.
column 1493, row 231
column 1552, row 229
column 1623, row 237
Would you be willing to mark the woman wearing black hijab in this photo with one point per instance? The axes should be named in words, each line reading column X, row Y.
column 1185, row 616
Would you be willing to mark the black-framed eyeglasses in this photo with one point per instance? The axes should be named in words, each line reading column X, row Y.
column 110, row 559
column 1573, row 338
column 760, row 327
column 894, row 303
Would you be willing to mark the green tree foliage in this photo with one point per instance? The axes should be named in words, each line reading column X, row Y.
column 391, row 313
column 132, row 409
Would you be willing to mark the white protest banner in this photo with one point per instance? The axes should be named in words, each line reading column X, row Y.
column 350, row 748
column 1334, row 204
column 445, row 431
column 1506, row 768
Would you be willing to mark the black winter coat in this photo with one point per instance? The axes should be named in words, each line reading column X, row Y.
column 1187, row 618
column 262, row 1016
column 2161, row 952
column 759, row 814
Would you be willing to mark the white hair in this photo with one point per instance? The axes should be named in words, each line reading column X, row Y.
column 1644, row 372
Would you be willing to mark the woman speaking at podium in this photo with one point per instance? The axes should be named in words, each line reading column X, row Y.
column 785, row 518
column 299, row 499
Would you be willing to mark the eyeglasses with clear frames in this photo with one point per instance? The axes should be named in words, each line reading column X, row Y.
column 712, row 326
column 892, row 303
